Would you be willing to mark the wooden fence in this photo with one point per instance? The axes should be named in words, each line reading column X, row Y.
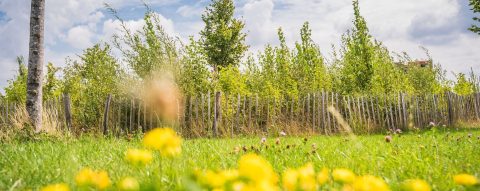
column 217, row 114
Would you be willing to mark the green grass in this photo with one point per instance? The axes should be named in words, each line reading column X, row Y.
column 434, row 156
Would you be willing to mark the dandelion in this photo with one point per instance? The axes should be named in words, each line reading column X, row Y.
column 369, row 183
column 258, row 171
column 465, row 180
column 164, row 140
column 56, row 187
column 128, row 184
column 302, row 178
column 343, row 175
column 85, row 177
column 416, row 185
column 89, row 178
column 138, row 157
column 102, row 181
column 323, row 176
column 290, row 179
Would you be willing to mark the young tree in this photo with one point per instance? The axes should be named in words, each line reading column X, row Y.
column 194, row 74
column 222, row 38
column 90, row 81
column 16, row 91
column 52, row 85
column 148, row 50
column 475, row 4
column 309, row 67
column 358, row 55
column 35, row 64
column 463, row 86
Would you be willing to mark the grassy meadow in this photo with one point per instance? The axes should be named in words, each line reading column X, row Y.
column 434, row 156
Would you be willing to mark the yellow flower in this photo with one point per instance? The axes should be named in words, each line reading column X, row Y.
column 343, row 175
column 416, row 185
column 302, row 178
column 128, row 184
column 89, row 178
column 164, row 140
column 84, row 177
column 323, row 176
column 102, row 181
column 138, row 157
column 465, row 180
column 258, row 171
column 213, row 179
column 290, row 179
column 56, row 187
column 370, row 183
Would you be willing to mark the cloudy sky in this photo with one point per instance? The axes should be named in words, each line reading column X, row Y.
column 73, row 25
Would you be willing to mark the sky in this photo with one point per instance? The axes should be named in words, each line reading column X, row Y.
column 402, row 26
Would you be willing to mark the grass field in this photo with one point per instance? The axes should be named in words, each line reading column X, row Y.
column 434, row 155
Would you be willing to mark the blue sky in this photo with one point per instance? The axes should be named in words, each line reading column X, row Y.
column 73, row 25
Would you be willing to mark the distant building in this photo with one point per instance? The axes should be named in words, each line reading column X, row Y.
column 417, row 63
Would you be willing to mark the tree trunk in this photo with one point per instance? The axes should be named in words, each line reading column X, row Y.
column 35, row 64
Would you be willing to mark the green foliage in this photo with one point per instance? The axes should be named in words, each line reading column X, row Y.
column 475, row 4
column 16, row 91
column 17, row 88
column 52, row 86
column 358, row 56
column 387, row 78
column 222, row 38
column 149, row 50
column 463, row 86
column 90, row 81
column 194, row 74
column 309, row 68
column 232, row 81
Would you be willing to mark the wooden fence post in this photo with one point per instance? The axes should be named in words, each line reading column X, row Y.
column 237, row 115
column 476, row 105
column 450, row 109
column 217, row 113
column 105, row 114
column 68, row 111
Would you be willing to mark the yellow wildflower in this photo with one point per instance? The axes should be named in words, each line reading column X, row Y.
column 84, row 177
column 416, row 185
column 290, row 179
column 465, row 180
column 102, row 181
column 164, row 140
column 87, row 177
column 370, row 183
column 258, row 171
column 56, row 187
column 302, row 178
column 343, row 175
column 138, row 157
column 323, row 176
column 129, row 184
column 213, row 179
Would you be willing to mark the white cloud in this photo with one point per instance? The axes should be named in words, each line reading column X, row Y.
column 80, row 37
column 259, row 25
column 190, row 11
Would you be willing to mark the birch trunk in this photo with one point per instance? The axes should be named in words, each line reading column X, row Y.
column 35, row 64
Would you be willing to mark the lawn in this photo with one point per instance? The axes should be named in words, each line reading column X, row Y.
column 434, row 156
